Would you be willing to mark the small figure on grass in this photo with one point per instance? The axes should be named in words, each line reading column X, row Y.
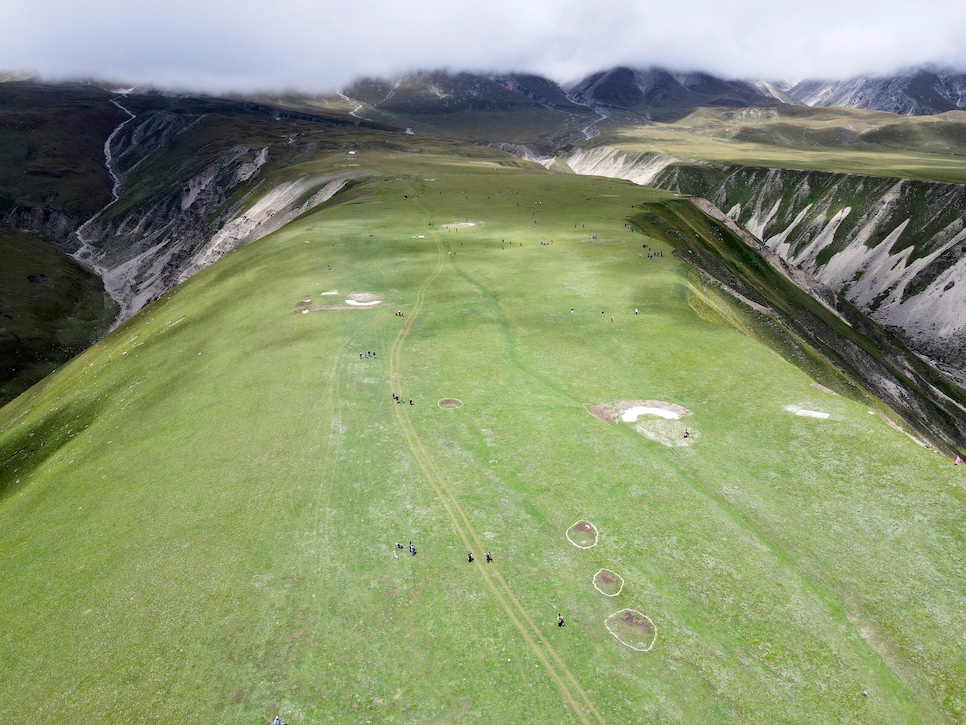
column 560, row 620
column 469, row 557
column 489, row 557
column 687, row 433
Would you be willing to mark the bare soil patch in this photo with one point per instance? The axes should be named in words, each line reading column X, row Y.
column 460, row 225
column 305, row 306
column 354, row 301
column 608, row 583
column 610, row 413
column 582, row 534
column 603, row 242
column 671, row 431
column 450, row 403
column 632, row 629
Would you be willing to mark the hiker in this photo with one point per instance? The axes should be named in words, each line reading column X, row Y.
column 398, row 545
column 611, row 318
column 410, row 401
column 560, row 620
column 571, row 310
column 489, row 557
column 277, row 720
column 687, row 433
column 469, row 557
column 635, row 310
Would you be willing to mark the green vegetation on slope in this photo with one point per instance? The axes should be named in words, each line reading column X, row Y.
column 50, row 310
column 198, row 515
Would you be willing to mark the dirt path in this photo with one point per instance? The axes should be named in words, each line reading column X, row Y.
column 571, row 690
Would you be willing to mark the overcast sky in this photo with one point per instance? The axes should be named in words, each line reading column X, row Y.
column 319, row 45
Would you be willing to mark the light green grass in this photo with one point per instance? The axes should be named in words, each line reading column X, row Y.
column 839, row 140
column 207, row 531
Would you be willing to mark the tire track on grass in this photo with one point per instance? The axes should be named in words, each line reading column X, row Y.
column 580, row 702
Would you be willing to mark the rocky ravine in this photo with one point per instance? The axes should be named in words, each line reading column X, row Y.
column 150, row 238
column 895, row 248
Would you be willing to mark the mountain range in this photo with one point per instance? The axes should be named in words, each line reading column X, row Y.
column 660, row 94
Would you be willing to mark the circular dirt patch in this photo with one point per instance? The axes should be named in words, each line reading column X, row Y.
column 604, row 242
column 608, row 583
column 582, row 534
column 632, row 629
column 450, row 403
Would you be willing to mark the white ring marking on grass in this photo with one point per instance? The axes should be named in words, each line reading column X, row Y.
column 619, row 589
column 596, row 534
column 632, row 414
column 356, row 303
column 806, row 413
column 636, row 614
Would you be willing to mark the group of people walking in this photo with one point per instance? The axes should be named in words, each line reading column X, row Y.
column 469, row 557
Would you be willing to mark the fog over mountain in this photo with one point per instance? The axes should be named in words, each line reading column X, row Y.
column 246, row 45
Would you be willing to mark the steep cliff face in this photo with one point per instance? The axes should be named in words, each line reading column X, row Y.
column 895, row 248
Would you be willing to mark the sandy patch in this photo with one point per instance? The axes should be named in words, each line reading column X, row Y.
column 361, row 296
column 450, row 403
column 806, row 413
column 356, row 303
column 330, row 292
column 458, row 225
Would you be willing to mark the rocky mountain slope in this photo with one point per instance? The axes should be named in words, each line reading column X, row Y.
column 916, row 92
column 664, row 95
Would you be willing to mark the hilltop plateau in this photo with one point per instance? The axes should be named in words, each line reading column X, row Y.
column 678, row 361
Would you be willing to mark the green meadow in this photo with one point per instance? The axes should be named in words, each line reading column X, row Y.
column 842, row 140
column 199, row 514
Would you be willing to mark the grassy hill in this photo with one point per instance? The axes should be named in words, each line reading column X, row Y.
column 198, row 515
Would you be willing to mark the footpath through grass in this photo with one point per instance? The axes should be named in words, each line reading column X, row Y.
column 198, row 516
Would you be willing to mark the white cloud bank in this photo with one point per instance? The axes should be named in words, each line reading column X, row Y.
column 320, row 46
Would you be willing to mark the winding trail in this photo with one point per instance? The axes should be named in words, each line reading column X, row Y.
column 355, row 113
column 571, row 690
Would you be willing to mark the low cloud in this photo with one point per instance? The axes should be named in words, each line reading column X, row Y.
column 246, row 45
